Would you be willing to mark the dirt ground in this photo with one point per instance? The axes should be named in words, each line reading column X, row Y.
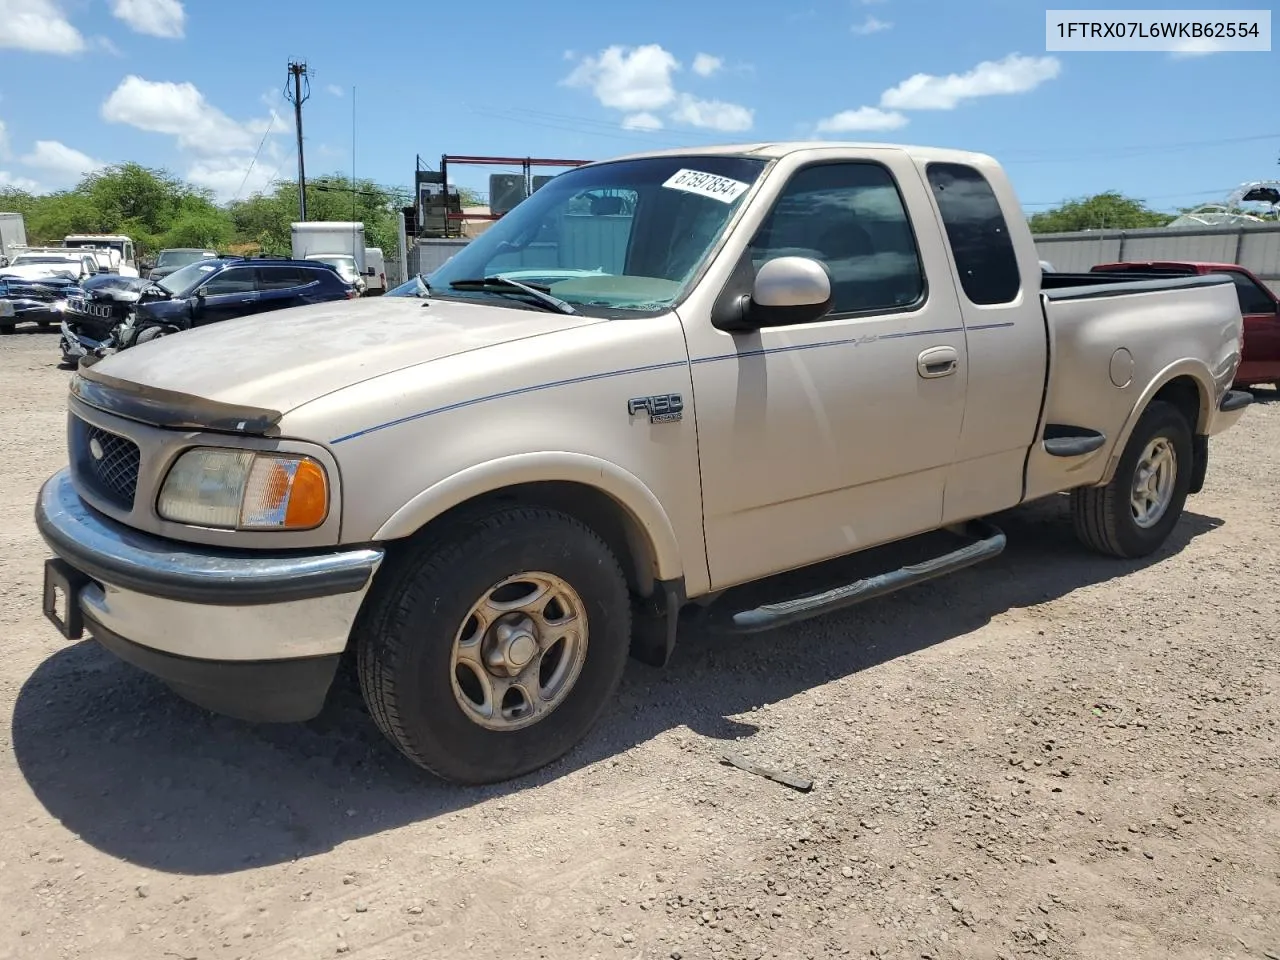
column 1052, row 755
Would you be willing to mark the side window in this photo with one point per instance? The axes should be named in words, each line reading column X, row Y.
column 850, row 217
column 977, row 232
column 320, row 275
column 1252, row 299
column 235, row 280
column 280, row 278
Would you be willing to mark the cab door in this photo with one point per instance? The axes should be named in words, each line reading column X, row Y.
column 822, row 438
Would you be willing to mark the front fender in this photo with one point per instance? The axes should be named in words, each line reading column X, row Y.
column 623, row 487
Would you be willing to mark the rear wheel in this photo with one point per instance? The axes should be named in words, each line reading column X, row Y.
column 1133, row 514
column 491, row 648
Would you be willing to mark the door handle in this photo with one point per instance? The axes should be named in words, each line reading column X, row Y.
column 938, row 362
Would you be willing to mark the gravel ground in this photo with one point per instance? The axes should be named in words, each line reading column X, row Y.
column 1052, row 755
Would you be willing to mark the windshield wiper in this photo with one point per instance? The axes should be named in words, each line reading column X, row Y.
column 537, row 291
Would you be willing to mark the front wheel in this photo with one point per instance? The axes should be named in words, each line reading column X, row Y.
column 151, row 333
column 1133, row 514
column 491, row 649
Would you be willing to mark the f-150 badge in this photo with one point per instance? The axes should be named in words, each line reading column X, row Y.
column 662, row 408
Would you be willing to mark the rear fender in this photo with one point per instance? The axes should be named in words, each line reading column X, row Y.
column 1197, row 371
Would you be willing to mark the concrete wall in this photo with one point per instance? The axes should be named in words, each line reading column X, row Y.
column 1255, row 247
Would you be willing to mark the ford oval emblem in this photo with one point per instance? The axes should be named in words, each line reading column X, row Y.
column 95, row 448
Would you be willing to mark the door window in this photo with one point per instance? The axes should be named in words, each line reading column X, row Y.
column 280, row 278
column 850, row 217
column 235, row 280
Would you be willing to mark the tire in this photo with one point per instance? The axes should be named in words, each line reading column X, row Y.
column 1104, row 517
column 427, row 703
column 149, row 334
column 7, row 329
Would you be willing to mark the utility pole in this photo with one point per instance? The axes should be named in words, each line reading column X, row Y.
column 298, row 95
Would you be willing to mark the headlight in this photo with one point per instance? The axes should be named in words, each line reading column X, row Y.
column 245, row 489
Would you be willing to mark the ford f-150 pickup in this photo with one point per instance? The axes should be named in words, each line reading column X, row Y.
column 656, row 378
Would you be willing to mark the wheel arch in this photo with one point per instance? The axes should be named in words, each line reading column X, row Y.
column 612, row 501
column 1187, row 385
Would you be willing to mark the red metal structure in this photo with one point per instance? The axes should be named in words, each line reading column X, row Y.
column 449, row 210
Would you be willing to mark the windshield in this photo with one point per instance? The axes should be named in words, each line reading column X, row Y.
column 346, row 266
column 180, row 258
column 188, row 278
column 629, row 235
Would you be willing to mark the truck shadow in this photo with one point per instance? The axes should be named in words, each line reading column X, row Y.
column 143, row 776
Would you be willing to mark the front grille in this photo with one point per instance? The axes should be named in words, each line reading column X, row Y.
column 106, row 462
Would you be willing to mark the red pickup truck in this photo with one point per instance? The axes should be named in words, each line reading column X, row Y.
column 1260, row 359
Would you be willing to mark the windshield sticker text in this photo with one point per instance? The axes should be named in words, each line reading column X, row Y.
column 707, row 185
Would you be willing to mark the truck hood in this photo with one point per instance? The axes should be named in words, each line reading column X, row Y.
column 277, row 361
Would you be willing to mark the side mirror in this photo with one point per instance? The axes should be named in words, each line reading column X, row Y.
column 369, row 272
column 202, row 292
column 786, row 290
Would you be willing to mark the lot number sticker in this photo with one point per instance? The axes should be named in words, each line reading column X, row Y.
column 707, row 185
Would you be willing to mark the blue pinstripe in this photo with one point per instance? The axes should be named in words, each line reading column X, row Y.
column 658, row 366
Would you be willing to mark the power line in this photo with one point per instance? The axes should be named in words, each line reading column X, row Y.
column 270, row 124
column 1159, row 196
column 1123, row 153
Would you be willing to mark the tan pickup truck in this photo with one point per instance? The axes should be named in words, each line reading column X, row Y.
column 657, row 378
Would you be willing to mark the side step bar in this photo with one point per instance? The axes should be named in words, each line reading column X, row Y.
column 988, row 542
column 1065, row 440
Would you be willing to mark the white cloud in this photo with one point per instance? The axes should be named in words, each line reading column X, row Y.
column 63, row 162
column 1197, row 48
column 334, row 89
column 1013, row 74
column 626, row 78
column 639, row 81
column 862, row 119
column 155, row 18
column 869, row 26
column 4, row 142
column 13, row 182
column 39, row 26
column 179, row 110
column 713, row 114
column 704, row 64
column 107, row 44
column 224, row 176
column 641, row 121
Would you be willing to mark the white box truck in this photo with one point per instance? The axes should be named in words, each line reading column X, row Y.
column 339, row 243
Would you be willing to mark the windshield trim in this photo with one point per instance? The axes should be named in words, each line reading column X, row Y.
column 709, row 259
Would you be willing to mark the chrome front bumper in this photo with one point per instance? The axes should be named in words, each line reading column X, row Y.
column 216, row 624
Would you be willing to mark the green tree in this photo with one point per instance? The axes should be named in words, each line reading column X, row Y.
column 265, row 218
column 1110, row 210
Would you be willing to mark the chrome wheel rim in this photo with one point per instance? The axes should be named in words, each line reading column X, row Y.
column 519, row 651
column 1153, row 482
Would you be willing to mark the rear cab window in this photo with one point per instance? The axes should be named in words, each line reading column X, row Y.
column 986, row 261
column 1253, row 299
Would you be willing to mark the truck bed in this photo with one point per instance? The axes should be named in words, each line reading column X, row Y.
column 1076, row 286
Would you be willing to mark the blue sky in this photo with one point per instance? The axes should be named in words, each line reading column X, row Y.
column 192, row 86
